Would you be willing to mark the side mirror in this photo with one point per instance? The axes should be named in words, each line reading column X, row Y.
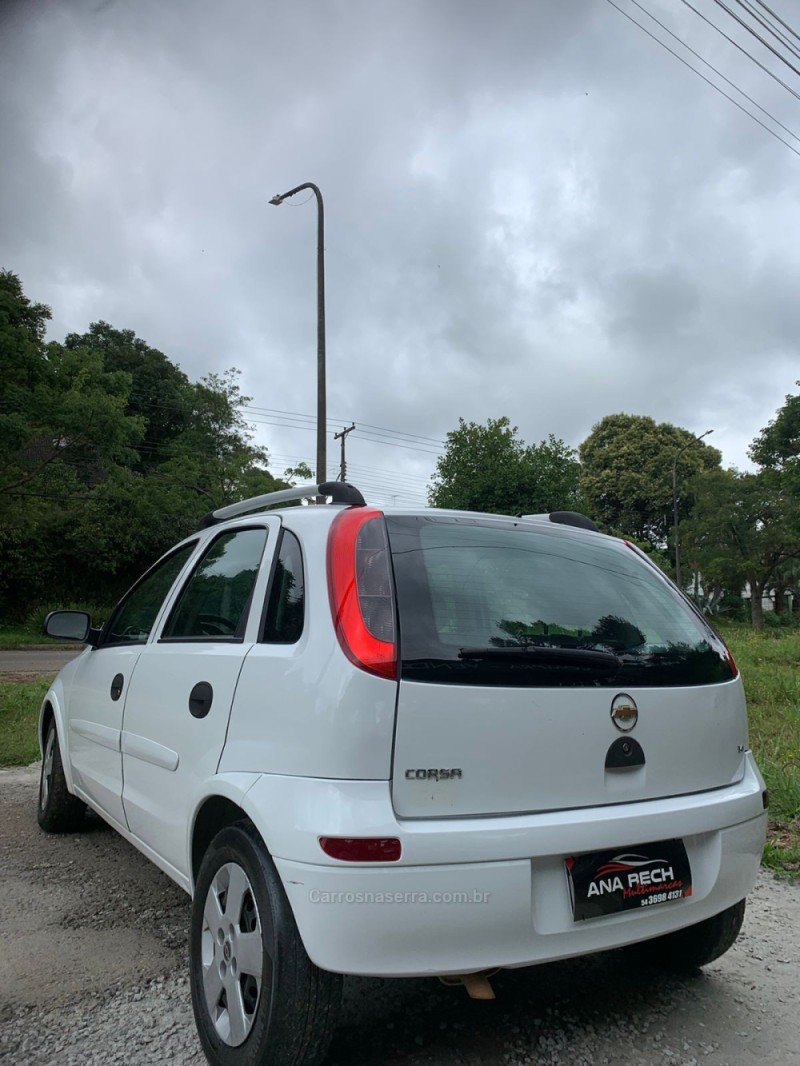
column 68, row 625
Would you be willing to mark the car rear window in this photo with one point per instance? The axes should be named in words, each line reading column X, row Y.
column 488, row 602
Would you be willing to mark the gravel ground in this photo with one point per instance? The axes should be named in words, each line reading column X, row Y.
column 92, row 941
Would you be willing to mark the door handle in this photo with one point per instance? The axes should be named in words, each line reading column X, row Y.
column 116, row 687
column 200, row 699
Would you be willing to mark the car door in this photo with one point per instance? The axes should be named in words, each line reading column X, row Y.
column 102, row 675
column 178, row 704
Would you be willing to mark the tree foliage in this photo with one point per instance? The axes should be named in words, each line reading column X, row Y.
column 490, row 469
column 626, row 475
column 777, row 446
column 158, row 391
column 744, row 529
column 108, row 455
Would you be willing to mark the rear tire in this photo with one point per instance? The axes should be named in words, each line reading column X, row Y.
column 257, row 997
column 58, row 810
column 695, row 946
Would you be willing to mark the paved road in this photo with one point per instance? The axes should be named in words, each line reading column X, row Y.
column 36, row 661
column 93, row 943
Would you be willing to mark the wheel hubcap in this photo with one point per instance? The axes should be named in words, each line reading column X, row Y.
column 232, row 954
column 47, row 769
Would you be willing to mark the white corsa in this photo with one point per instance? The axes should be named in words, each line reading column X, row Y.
column 404, row 743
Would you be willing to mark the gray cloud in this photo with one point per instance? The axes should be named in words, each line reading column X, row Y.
column 531, row 209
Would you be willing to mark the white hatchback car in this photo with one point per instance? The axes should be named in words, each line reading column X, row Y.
column 406, row 743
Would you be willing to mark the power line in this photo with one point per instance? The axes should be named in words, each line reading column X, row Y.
column 310, row 428
column 387, row 490
column 744, row 51
column 717, row 72
column 378, row 438
column 397, row 476
column 780, row 37
column 705, row 79
column 778, row 19
column 399, row 432
column 757, row 35
column 337, row 421
column 310, row 425
column 387, row 482
column 372, row 438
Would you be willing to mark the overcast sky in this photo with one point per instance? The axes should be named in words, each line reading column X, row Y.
column 531, row 208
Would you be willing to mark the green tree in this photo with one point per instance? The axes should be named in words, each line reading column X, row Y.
column 300, row 473
column 491, row 469
column 743, row 530
column 108, row 455
column 138, row 513
column 777, row 446
column 215, row 457
column 626, row 475
column 160, row 393
column 63, row 426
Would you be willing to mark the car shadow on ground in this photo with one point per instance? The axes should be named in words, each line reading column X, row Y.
column 538, row 1009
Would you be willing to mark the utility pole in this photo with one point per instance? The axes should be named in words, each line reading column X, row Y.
column 343, row 437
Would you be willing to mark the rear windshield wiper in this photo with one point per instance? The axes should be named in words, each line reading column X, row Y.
column 581, row 658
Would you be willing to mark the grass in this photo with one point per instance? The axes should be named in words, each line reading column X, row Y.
column 770, row 665
column 19, row 715
column 16, row 636
column 31, row 629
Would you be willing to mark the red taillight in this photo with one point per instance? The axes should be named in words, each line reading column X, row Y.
column 362, row 590
column 731, row 660
column 362, row 849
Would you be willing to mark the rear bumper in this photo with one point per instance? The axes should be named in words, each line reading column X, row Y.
column 470, row 894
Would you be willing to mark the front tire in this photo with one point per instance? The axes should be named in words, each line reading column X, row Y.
column 58, row 810
column 688, row 949
column 257, row 997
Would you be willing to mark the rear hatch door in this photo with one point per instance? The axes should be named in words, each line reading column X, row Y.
column 546, row 668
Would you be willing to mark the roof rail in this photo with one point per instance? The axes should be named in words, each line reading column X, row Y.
column 339, row 491
column 566, row 518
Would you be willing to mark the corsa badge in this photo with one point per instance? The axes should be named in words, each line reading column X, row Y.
column 624, row 712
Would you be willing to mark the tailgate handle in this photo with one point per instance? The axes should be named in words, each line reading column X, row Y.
column 625, row 754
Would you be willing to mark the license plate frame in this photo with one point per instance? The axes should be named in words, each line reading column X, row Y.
column 638, row 877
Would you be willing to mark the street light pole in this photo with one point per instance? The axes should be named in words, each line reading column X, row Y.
column 675, row 520
column 322, row 464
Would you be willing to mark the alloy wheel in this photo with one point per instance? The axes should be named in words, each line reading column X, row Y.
column 47, row 768
column 232, row 954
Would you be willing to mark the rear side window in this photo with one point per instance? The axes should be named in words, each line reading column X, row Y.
column 213, row 603
column 499, row 603
column 286, row 605
column 133, row 619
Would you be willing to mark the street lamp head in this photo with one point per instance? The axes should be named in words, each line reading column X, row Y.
column 276, row 200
